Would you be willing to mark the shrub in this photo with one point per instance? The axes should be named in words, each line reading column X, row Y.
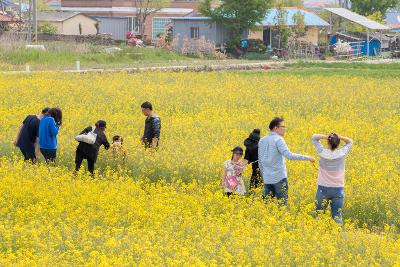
column 47, row 28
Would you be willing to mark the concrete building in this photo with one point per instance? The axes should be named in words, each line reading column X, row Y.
column 69, row 23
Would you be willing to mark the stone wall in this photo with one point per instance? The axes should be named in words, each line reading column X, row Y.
column 98, row 39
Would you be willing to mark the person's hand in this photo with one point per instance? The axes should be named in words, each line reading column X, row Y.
column 311, row 159
column 15, row 143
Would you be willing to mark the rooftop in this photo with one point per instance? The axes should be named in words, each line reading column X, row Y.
column 56, row 15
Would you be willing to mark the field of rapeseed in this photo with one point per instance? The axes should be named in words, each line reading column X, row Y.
column 166, row 208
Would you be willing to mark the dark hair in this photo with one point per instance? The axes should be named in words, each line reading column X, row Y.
column 45, row 110
column 275, row 122
column 118, row 138
column 257, row 131
column 237, row 149
column 147, row 105
column 56, row 113
column 333, row 140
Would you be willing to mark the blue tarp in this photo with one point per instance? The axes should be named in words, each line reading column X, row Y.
column 374, row 45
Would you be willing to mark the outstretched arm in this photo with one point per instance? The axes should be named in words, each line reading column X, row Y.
column 284, row 150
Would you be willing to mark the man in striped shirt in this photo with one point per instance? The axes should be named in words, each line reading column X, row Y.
column 331, row 173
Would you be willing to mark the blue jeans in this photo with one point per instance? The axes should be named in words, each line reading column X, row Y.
column 278, row 190
column 334, row 195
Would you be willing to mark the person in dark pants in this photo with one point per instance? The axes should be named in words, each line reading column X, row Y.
column 91, row 151
column 48, row 130
column 251, row 155
column 27, row 138
column 152, row 127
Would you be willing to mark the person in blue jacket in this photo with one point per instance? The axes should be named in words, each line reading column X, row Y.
column 48, row 130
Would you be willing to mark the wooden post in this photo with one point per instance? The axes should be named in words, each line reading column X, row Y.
column 367, row 42
column 78, row 65
column 27, row 69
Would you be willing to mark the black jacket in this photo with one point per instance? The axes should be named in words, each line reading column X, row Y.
column 251, row 144
column 152, row 128
column 92, row 151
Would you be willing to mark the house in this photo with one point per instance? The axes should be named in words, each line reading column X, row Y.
column 68, row 23
column 270, row 35
column 194, row 26
column 117, row 27
column 155, row 24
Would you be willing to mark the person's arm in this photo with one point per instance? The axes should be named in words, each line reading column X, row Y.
column 261, row 148
column 54, row 128
column 106, row 144
column 315, row 139
column 37, row 148
column 18, row 134
column 156, row 124
column 348, row 144
column 284, row 150
column 224, row 175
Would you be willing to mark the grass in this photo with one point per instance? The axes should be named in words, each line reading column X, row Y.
column 345, row 65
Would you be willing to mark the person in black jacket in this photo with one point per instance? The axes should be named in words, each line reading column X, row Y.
column 88, row 151
column 251, row 155
column 152, row 127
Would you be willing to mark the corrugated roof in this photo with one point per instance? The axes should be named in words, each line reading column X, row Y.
column 310, row 18
column 357, row 18
column 57, row 15
column 393, row 17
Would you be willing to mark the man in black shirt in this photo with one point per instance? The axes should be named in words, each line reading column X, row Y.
column 27, row 136
column 152, row 126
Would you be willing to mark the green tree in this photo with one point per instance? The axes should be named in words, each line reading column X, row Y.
column 368, row 7
column 47, row 28
column 236, row 16
column 299, row 27
column 288, row 3
column 284, row 31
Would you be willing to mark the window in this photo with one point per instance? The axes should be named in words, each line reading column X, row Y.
column 194, row 32
column 133, row 24
column 160, row 25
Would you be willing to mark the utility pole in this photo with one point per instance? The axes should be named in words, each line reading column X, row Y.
column 35, row 26
column 30, row 22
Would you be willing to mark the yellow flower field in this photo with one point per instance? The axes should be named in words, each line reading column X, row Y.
column 167, row 208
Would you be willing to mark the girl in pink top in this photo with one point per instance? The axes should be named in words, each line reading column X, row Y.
column 331, row 173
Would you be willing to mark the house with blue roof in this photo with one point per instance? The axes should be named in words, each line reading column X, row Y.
column 194, row 26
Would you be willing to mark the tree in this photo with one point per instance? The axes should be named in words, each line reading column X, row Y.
column 368, row 7
column 145, row 8
column 236, row 16
column 288, row 3
column 47, row 28
column 284, row 31
column 299, row 27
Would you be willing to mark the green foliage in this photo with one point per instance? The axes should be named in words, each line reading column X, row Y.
column 284, row 31
column 236, row 16
column 288, row 3
column 299, row 28
column 47, row 28
column 4, row 27
column 368, row 7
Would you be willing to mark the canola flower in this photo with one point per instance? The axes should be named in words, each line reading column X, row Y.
column 181, row 218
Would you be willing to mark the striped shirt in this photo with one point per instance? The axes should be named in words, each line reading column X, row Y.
column 331, row 164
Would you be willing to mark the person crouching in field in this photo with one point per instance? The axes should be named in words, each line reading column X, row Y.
column 91, row 151
column 232, row 180
column 331, row 173
column 27, row 138
column 251, row 155
column 117, row 148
